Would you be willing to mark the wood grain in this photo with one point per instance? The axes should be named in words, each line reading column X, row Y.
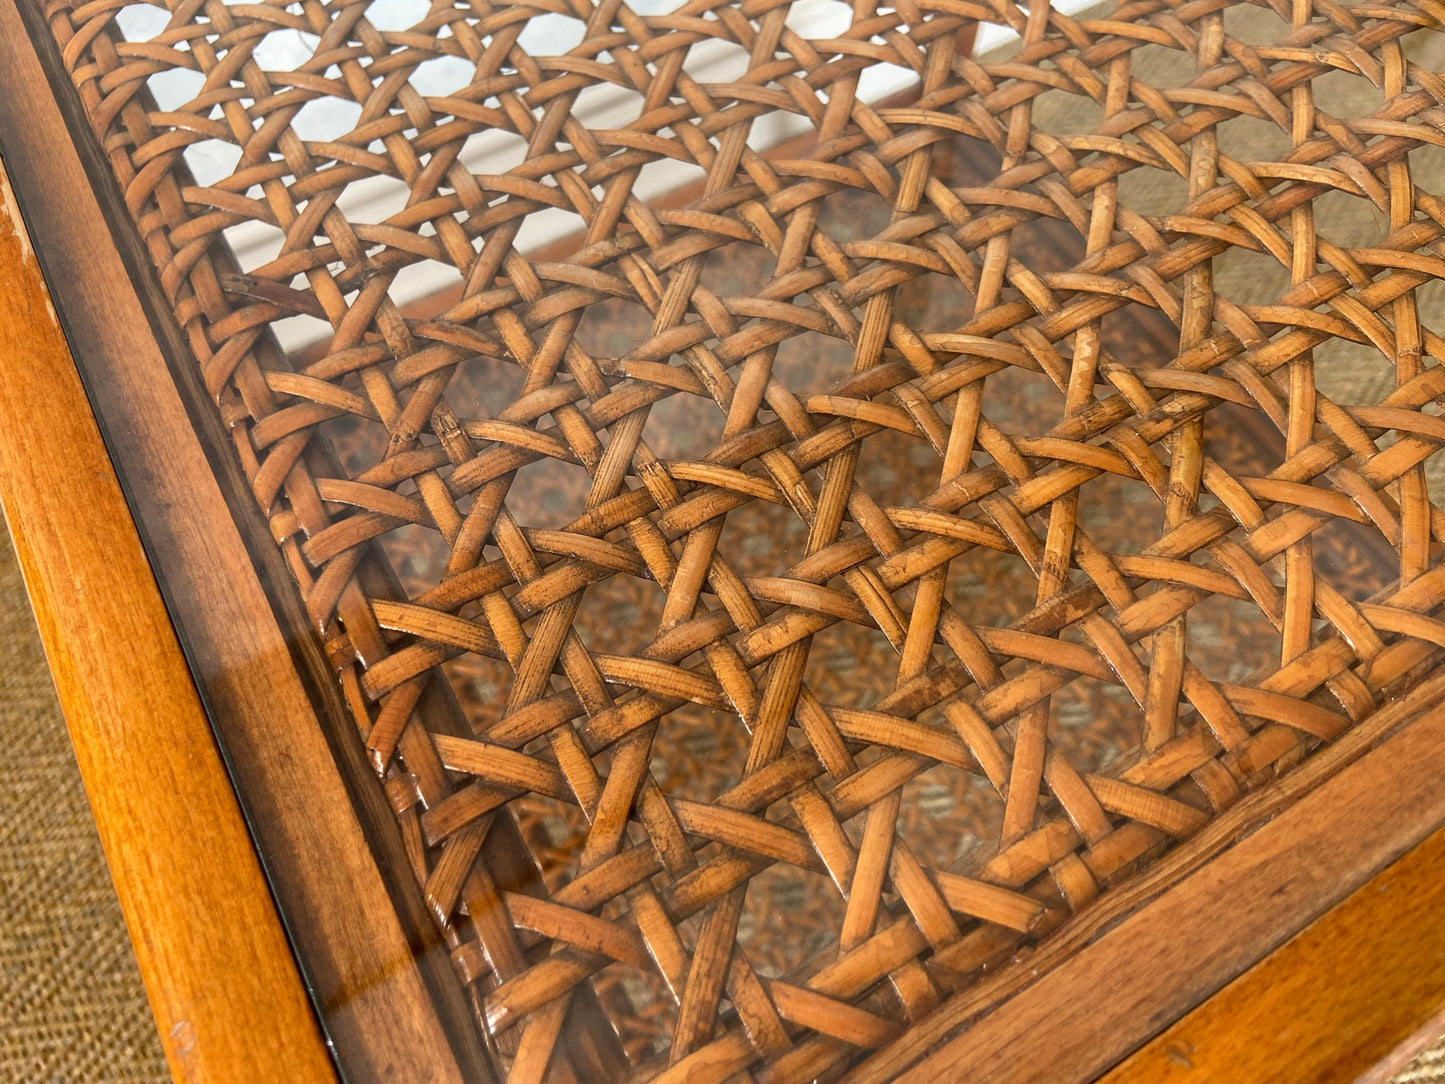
column 1291, row 851
column 332, row 850
column 1328, row 1005
column 443, row 470
column 389, row 998
column 227, row 997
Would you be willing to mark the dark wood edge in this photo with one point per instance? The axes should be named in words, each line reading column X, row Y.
column 1163, row 944
column 227, row 997
column 387, row 993
column 1353, row 996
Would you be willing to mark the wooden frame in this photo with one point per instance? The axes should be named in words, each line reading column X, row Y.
column 381, row 1002
column 190, row 885
column 1337, row 1002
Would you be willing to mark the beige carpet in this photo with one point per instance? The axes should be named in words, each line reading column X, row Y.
column 1428, row 1068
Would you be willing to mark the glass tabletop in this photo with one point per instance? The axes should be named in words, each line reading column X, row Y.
column 800, row 500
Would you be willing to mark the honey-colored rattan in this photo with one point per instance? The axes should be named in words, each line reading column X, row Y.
column 541, row 558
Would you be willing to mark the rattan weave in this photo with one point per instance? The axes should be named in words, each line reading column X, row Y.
column 1058, row 423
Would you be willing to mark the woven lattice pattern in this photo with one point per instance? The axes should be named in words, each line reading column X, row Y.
column 600, row 540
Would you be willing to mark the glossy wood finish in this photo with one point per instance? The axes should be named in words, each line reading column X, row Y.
column 1283, row 857
column 1237, row 899
column 507, row 593
column 387, row 992
column 223, row 985
column 1336, row 1000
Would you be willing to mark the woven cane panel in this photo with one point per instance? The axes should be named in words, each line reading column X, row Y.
column 838, row 567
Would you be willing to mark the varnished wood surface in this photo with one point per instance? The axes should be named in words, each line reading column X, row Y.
column 1204, row 742
column 1288, row 854
column 240, row 661
column 1331, row 1003
column 227, row 997
column 387, row 992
